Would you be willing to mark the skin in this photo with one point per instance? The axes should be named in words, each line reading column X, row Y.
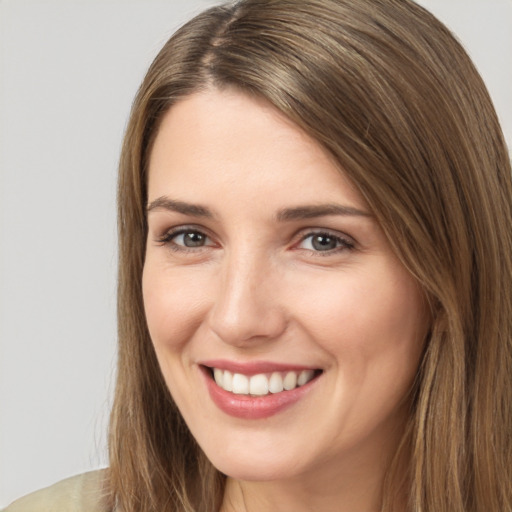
column 258, row 288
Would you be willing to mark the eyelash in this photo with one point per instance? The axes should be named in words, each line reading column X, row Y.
column 342, row 243
column 168, row 239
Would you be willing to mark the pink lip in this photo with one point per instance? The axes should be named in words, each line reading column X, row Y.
column 249, row 407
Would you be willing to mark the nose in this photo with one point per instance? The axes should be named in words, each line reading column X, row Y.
column 246, row 309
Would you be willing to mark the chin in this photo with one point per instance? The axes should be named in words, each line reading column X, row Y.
column 259, row 470
column 254, row 458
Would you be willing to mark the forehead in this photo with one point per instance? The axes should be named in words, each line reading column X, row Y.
column 226, row 142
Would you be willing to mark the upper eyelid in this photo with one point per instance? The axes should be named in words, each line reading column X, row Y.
column 327, row 233
column 344, row 244
column 307, row 232
column 169, row 234
column 182, row 228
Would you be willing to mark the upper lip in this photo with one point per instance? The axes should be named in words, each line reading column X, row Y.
column 254, row 367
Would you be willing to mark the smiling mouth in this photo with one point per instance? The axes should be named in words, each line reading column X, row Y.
column 261, row 384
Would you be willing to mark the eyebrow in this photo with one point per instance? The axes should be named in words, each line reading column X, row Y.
column 164, row 203
column 284, row 215
column 313, row 211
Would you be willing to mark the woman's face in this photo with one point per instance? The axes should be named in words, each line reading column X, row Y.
column 265, row 269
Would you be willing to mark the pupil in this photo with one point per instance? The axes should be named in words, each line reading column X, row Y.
column 323, row 243
column 193, row 239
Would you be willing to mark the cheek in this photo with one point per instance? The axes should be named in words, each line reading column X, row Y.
column 373, row 328
column 364, row 319
column 174, row 303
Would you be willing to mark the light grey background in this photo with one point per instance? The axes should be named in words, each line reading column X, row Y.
column 68, row 72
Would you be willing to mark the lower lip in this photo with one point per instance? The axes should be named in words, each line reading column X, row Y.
column 254, row 407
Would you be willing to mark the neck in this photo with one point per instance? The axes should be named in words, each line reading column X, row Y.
column 280, row 497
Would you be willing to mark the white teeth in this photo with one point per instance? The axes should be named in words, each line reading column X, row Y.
column 258, row 385
column 275, row 384
column 290, row 381
column 304, row 377
column 218, row 376
column 261, row 384
column 240, row 384
column 227, row 381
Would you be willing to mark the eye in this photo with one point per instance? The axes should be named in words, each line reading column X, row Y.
column 190, row 239
column 185, row 239
column 324, row 242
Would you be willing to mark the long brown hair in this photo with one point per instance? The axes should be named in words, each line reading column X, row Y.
column 392, row 95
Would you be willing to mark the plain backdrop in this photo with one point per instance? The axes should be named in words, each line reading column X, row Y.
column 68, row 72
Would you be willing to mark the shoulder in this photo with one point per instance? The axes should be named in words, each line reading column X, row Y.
column 81, row 493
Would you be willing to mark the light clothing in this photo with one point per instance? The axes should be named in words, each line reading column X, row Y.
column 81, row 493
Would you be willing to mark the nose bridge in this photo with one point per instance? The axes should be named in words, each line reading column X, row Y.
column 246, row 306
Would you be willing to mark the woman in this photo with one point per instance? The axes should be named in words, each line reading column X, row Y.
column 315, row 265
